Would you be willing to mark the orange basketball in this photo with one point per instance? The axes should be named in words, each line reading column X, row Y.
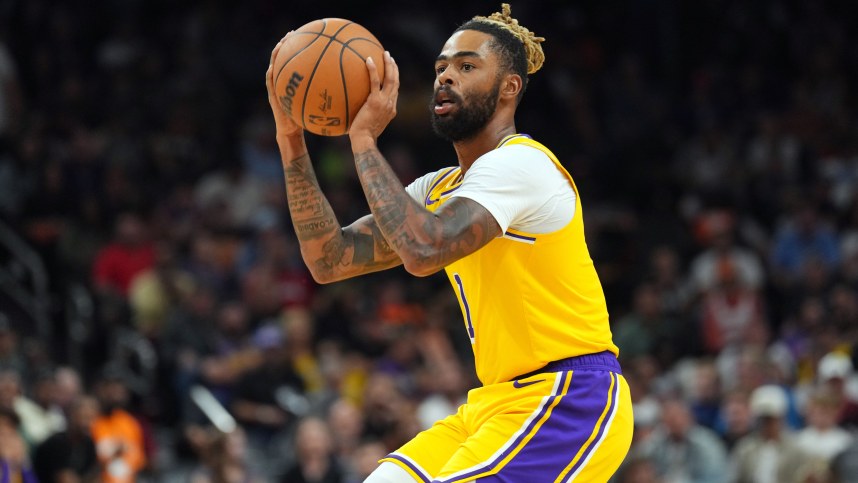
column 320, row 75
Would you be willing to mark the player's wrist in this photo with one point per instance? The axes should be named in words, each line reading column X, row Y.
column 362, row 141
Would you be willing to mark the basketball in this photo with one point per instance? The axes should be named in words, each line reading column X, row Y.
column 320, row 76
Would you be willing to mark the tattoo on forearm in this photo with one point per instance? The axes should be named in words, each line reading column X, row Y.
column 311, row 213
column 452, row 232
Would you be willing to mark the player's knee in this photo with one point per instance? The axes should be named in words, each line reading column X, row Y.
column 389, row 472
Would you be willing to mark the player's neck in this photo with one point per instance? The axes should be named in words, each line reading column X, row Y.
column 471, row 149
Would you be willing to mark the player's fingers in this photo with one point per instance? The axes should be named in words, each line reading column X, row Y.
column 393, row 75
column 390, row 74
column 374, row 83
column 276, row 48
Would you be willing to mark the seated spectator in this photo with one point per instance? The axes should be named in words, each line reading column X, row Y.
column 682, row 451
column 14, row 460
column 117, row 434
column 802, row 239
column 646, row 330
column 225, row 460
column 40, row 416
column 69, row 456
column 822, row 438
column 728, row 310
column 736, row 420
column 315, row 452
column 347, row 427
column 130, row 253
column 835, row 372
column 449, row 392
column 769, row 454
column 270, row 396
column 718, row 232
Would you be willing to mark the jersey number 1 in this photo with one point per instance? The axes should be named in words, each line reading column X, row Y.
column 465, row 304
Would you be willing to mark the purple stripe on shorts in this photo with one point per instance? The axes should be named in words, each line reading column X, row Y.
column 602, row 427
column 514, row 445
column 563, row 435
column 416, row 470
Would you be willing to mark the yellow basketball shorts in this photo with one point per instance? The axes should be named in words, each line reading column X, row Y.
column 574, row 424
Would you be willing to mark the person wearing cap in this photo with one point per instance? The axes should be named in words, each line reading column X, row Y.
column 822, row 438
column 768, row 454
column 834, row 371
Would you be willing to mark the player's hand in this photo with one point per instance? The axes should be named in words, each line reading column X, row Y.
column 380, row 107
column 285, row 125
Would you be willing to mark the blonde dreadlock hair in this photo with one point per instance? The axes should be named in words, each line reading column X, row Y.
column 532, row 48
column 520, row 50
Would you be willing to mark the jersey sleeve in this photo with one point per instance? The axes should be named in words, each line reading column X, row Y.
column 515, row 184
column 419, row 188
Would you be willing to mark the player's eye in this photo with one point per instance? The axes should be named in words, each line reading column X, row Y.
column 440, row 69
column 467, row 67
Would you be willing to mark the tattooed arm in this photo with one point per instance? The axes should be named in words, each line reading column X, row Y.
column 425, row 242
column 331, row 253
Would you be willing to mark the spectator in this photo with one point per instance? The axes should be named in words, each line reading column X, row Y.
column 69, row 456
column 647, row 330
column 803, row 239
column 682, row 451
column 14, row 460
column 822, row 438
column 769, row 454
column 41, row 416
column 270, row 396
column 130, row 253
column 225, row 460
column 736, row 420
column 449, row 392
column 156, row 291
column 314, row 449
column 835, row 372
column 364, row 461
column 117, row 434
column 718, row 231
column 347, row 427
column 729, row 310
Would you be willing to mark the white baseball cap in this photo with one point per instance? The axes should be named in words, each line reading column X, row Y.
column 768, row 400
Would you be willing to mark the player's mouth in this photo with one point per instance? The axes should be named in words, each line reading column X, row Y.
column 444, row 102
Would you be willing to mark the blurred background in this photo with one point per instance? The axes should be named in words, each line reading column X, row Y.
column 150, row 277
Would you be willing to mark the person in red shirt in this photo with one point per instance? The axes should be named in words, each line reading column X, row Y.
column 130, row 253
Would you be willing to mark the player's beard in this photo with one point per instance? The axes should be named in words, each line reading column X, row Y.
column 469, row 118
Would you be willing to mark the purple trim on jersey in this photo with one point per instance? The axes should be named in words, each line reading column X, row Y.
column 533, row 422
column 436, row 183
column 416, row 470
column 513, row 136
column 522, row 237
column 465, row 303
column 563, row 435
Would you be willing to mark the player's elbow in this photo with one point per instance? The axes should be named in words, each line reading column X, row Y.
column 419, row 263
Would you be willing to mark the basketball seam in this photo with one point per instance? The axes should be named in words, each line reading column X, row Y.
column 344, row 43
column 317, row 34
column 313, row 73
column 343, row 73
column 345, row 90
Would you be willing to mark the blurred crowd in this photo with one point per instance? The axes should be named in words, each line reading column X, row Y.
column 157, row 322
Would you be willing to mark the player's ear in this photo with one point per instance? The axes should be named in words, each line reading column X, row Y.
column 511, row 86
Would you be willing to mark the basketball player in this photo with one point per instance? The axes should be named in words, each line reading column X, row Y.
column 506, row 224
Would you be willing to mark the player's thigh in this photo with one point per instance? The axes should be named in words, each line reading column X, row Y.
column 584, row 423
column 424, row 456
